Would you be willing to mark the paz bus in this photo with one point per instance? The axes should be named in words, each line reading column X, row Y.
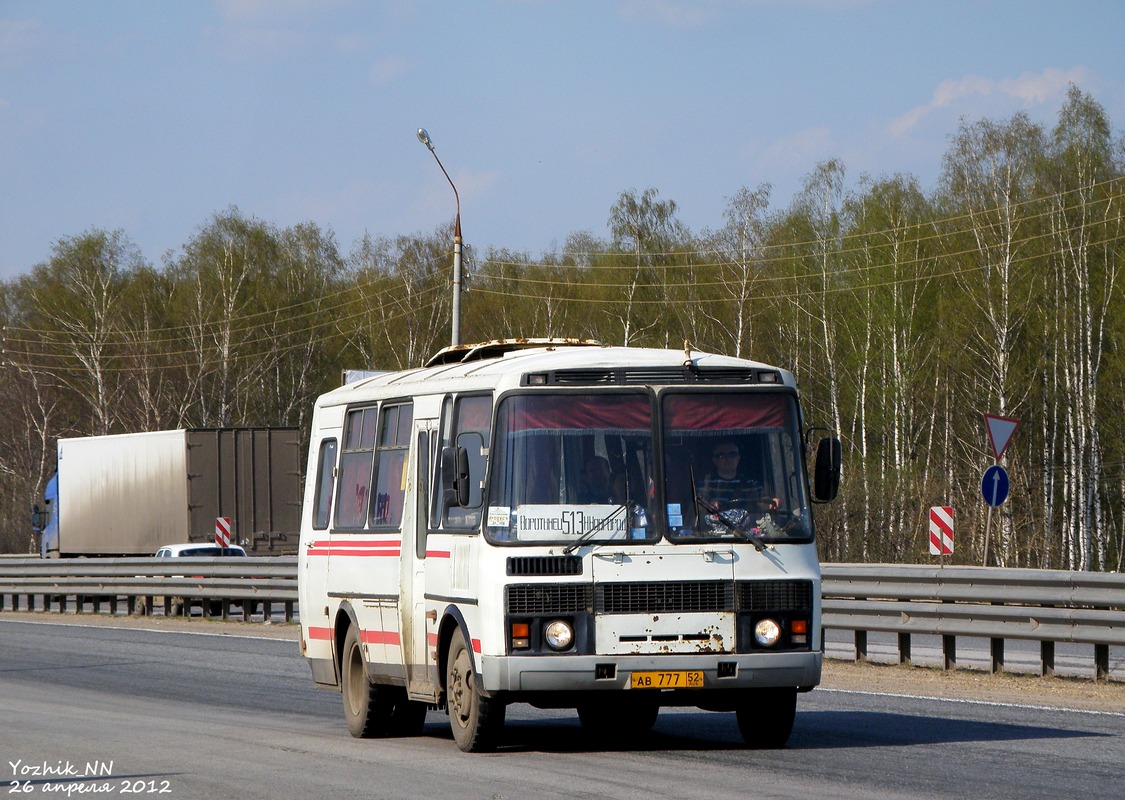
column 545, row 522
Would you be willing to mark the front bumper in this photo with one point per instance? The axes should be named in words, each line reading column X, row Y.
column 582, row 673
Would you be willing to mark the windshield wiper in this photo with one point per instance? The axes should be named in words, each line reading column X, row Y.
column 588, row 535
column 712, row 510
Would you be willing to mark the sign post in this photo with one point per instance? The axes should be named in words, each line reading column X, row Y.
column 941, row 532
column 1000, row 430
column 994, row 485
column 222, row 531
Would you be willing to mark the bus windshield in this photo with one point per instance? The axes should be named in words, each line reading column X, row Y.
column 570, row 468
column 575, row 468
column 733, row 467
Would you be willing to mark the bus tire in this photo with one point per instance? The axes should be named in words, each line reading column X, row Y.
column 476, row 720
column 368, row 707
column 765, row 717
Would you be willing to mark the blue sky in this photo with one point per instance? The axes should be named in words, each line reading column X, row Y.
column 150, row 116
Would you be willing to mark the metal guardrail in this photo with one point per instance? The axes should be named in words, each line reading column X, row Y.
column 143, row 584
column 1047, row 606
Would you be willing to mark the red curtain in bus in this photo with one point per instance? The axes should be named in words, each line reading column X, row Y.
column 724, row 412
column 579, row 412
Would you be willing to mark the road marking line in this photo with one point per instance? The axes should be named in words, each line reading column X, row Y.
column 970, row 702
column 149, row 630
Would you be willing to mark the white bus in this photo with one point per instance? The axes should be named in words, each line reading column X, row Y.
column 565, row 524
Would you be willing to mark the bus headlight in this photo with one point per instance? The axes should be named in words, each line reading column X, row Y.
column 767, row 632
column 559, row 635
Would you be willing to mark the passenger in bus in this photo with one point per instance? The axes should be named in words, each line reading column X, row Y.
column 542, row 481
column 596, row 483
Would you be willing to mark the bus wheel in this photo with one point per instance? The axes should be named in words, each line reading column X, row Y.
column 624, row 718
column 765, row 717
column 367, row 707
column 476, row 720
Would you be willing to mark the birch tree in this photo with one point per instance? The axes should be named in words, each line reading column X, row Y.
column 219, row 272
column 1085, row 223
column 740, row 250
column 821, row 202
column 300, row 335
column 401, row 286
column 77, row 299
column 990, row 172
column 646, row 229
column 891, row 259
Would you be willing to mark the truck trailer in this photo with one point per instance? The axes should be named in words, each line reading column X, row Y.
column 130, row 494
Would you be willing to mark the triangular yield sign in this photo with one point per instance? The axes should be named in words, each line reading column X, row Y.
column 1000, row 430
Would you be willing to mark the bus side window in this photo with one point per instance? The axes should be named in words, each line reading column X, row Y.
column 353, row 485
column 390, row 463
column 444, row 438
column 472, row 424
column 326, row 466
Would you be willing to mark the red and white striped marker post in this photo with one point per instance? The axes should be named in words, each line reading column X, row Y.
column 222, row 531
column 941, row 530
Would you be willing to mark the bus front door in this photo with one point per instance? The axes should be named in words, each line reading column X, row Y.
column 415, row 627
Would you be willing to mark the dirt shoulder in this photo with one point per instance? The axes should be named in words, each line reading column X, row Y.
column 969, row 684
column 962, row 684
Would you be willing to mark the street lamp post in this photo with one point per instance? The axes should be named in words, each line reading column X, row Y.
column 424, row 138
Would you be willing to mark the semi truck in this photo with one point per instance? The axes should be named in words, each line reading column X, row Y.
column 130, row 494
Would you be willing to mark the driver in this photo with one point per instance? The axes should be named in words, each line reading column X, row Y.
column 723, row 485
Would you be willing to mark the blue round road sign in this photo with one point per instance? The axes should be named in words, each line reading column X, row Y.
column 994, row 485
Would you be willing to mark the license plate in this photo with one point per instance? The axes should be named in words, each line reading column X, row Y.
column 678, row 679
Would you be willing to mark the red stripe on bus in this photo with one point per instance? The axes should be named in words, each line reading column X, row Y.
column 358, row 553
column 377, row 548
column 368, row 636
column 437, row 554
column 390, row 541
column 381, row 637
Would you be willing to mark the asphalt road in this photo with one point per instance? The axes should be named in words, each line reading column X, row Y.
column 190, row 715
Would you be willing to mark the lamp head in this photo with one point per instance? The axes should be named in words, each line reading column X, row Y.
column 424, row 138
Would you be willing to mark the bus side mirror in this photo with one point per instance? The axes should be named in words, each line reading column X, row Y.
column 826, row 478
column 455, row 476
